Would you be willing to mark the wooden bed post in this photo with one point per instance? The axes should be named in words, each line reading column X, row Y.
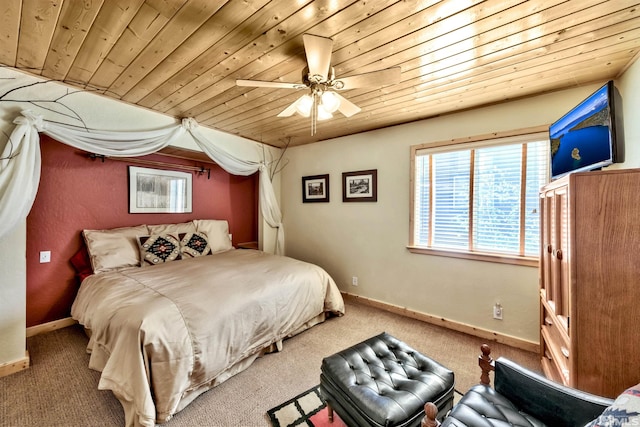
column 430, row 413
column 486, row 364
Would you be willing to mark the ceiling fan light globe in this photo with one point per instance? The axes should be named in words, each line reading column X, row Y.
column 323, row 114
column 304, row 105
column 330, row 102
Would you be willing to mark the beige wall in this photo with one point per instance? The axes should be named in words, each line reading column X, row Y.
column 629, row 86
column 13, row 291
column 369, row 240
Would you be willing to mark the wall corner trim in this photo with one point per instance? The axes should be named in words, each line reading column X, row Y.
column 446, row 323
column 15, row 366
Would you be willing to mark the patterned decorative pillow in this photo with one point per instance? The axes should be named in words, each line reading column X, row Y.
column 625, row 410
column 217, row 231
column 194, row 245
column 158, row 249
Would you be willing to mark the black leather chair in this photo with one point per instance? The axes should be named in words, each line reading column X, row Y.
column 522, row 398
column 384, row 382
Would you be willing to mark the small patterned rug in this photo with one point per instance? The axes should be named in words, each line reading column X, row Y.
column 306, row 409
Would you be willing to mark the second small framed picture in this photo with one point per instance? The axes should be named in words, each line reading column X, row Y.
column 360, row 186
column 315, row 188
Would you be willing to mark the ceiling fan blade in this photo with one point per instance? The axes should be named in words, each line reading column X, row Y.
column 291, row 109
column 388, row 76
column 347, row 107
column 275, row 85
column 318, row 51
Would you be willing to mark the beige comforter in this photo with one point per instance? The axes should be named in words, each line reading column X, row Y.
column 164, row 334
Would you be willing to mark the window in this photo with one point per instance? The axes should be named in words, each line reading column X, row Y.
column 479, row 199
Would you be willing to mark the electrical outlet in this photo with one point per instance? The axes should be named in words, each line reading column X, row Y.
column 497, row 311
column 354, row 280
column 45, row 256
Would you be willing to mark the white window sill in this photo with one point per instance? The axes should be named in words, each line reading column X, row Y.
column 477, row 256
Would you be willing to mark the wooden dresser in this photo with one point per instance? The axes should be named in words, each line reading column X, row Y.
column 590, row 280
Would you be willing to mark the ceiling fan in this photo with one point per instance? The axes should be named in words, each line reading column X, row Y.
column 319, row 77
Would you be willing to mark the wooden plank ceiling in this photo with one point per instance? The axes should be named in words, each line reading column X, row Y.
column 182, row 57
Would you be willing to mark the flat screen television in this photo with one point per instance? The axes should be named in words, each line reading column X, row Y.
column 590, row 136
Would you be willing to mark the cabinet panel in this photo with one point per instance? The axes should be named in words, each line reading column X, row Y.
column 556, row 348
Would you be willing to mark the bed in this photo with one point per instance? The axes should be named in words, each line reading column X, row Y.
column 166, row 327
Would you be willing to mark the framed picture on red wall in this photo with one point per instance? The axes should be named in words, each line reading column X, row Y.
column 159, row 191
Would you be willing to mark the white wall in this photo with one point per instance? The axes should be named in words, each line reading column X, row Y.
column 13, row 295
column 99, row 113
column 629, row 86
column 369, row 240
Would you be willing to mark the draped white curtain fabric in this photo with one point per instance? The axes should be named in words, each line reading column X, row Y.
column 19, row 174
column 20, row 164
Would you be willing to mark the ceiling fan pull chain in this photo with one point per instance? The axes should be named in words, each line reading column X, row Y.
column 314, row 112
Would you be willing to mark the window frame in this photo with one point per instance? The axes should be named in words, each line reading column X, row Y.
column 470, row 143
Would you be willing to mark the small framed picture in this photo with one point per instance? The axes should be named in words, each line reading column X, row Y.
column 360, row 186
column 159, row 191
column 315, row 188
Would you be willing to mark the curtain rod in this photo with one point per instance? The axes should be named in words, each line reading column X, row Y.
column 199, row 169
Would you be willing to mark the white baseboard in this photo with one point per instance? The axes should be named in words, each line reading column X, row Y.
column 447, row 323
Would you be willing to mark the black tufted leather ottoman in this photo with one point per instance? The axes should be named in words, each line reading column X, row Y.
column 384, row 382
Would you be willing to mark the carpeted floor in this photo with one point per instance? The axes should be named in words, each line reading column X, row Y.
column 60, row 390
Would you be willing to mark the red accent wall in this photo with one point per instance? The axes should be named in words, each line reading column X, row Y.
column 77, row 193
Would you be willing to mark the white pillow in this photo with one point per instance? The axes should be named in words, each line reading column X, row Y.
column 217, row 231
column 175, row 229
column 115, row 248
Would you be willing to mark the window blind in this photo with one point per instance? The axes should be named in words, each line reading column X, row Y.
column 481, row 196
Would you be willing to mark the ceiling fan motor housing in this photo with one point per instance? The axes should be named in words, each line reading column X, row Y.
column 317, row 79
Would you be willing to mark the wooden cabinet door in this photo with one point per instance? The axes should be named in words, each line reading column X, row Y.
column 546, row 201
column 554, row 284
column 560, row 256
column 554, row 280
